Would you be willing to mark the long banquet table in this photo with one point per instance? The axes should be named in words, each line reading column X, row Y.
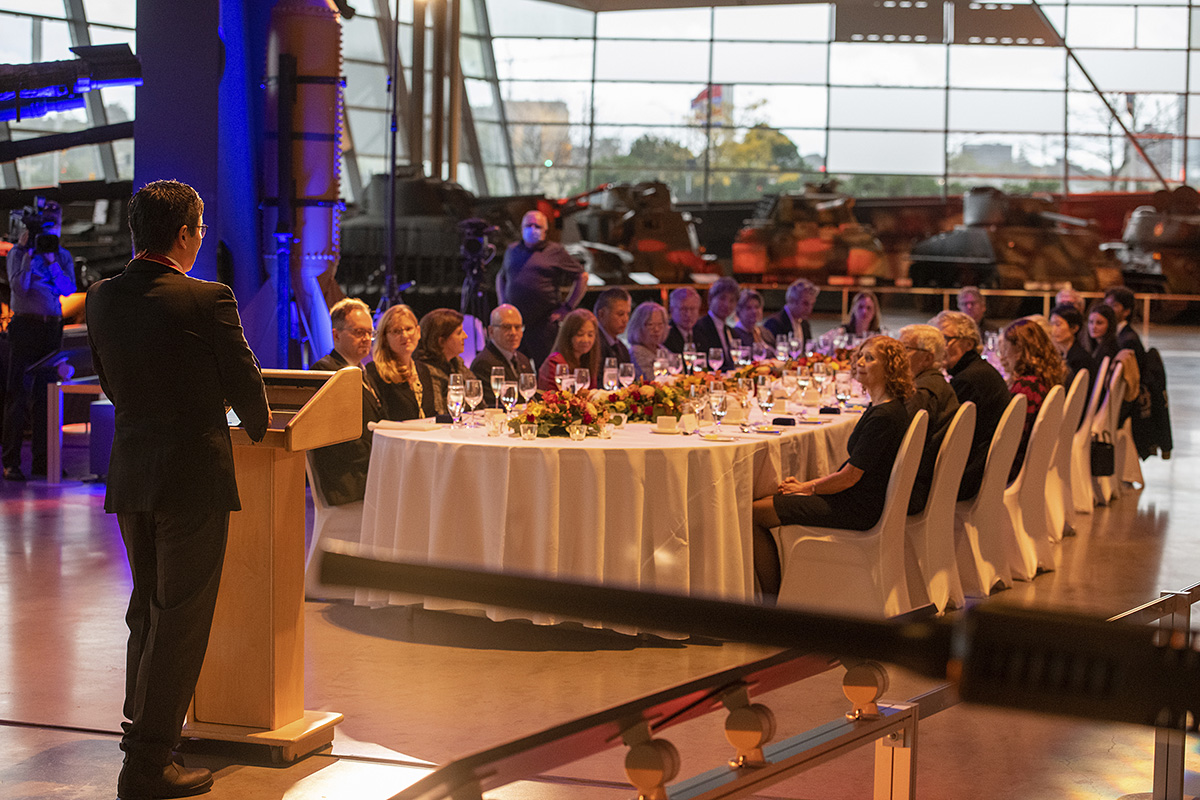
column 640, row 510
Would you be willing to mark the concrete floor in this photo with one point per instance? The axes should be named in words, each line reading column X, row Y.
column 420, row 689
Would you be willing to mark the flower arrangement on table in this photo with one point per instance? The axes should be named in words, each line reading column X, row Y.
column 646, row 401
column 556, row 411
column 835, row 362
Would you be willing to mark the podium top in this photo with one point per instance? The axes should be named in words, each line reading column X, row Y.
column 310, row 408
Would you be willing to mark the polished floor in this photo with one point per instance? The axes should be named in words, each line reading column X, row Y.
column 418, row 690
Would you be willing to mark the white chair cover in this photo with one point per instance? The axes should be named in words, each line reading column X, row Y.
column 1107, row 487
column 930, row 534
column 343, row 523
column 1129, row 468
column 1025, row 498
column 855, row 572
column 1060, row 500
column 1081, row 448
column 982, row 525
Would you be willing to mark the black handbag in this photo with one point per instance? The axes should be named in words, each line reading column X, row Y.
column 1103, row 455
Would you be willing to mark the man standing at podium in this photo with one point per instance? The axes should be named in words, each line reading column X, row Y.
column 169, row 351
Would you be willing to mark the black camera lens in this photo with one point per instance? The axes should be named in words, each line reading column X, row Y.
column 46, row 243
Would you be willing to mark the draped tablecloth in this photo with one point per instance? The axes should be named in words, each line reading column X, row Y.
column 640, row 510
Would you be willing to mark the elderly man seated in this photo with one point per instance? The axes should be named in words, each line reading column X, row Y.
column 342, row 468
column 504, row 337
column 926, row 348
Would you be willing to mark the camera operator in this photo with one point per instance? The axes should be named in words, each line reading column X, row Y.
column 40, row 270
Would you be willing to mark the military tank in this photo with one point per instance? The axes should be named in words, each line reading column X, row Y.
column 1010, row 242
column 811, row 234
column 1159, row 249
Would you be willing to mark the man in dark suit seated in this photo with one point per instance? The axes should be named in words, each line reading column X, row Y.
column 972, row 303
column 1122, row 302
column 684, row 308
column 712, row 330
column 972, row 379
column 612, row 310
column 504, row 337
column 342, row 468
column 792, row 320
column 926, row 348
column 169, row 351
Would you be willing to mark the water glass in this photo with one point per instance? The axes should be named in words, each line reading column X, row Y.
column 791, row 378
column 765, row 400
column 583, row 379
column 795, row 348
column 497, row 382
column 454, row 402
column 527, row 384
column 473, row 394
column 611, row 380
column 561, row 373
column 674, row 363
column 625, row 374
column 660, row 368
column 690, row 356
column 758, row 351
column 781, row 350
column 610, row 362
column 508, row 395
column 716, row 357
column 718, row 403
column 841, row 386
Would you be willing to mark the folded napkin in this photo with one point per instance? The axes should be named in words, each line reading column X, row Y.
column 405, row 425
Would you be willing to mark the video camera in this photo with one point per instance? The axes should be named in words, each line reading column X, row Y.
column 41, row 220
column 474, row 247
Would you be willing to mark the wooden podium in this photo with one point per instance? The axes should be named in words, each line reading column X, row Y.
column 251, row 688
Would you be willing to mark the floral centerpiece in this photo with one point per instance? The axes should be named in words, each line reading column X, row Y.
column 556, row 411
column 645, row 401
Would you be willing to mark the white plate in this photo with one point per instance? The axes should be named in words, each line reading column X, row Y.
column 717, row 437
column 667, row 433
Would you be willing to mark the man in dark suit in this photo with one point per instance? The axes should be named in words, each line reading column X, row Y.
column 972, row 379
column 342, row 468
column 792, row 320
column 169, row 351
column 712, row 331
column 504, row 337
column 612, row 310
column 1122, row 302
column 684, row 307
column 926, row 348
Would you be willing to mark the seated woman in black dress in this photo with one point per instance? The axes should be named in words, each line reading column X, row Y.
column 403, row 385
column 1101, row 332
column 851, row 498
column 1066, row 325
column 441, row 349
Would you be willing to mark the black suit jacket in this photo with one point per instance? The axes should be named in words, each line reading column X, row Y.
column 342, row 468
column 781, row 324
column 706, row 337
column 490, row 356
column 616, row 350
column 398, row 400
column 974, row 379
column 170, row 352
column 1128, row 339
column 675, row 341
column 933, row 395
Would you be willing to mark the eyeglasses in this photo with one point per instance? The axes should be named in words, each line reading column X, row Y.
column 403, row 331
column 202, row 229
column 509, row 327
column 358, row 333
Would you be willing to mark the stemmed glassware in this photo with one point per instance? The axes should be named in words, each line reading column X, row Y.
column 716, row 357
column 718, row 403
column 660, row 368
column 527, row 384
column 561, row 373
column 781, row 349
column 795, row 348
column 583, row 379
column 804, row 378
column 611, row 377
column 765, row 401
column 455, row 395
column 674, row 363
column 790, row 379
column 474, row 396
column 690, row 357
column 625, row 374
column 508, row 396
column 841, row 386
column 497, row 382
column 820, row 375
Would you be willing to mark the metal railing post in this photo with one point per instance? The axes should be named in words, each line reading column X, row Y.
column 1170, row 744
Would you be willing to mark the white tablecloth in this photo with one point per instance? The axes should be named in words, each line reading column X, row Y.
column 639, row 510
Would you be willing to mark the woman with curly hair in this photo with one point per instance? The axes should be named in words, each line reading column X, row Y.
column 441, row 349
column 577, row 346
column 402, row 384
column 1031, row 366
column 852, row 497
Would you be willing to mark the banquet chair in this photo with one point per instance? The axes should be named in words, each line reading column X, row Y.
column 931, row 532
column 1129, row 468
column 855, row 572
column 1025, row 498
column 982, row 525
column 343, row 523
column 1107, row 487
column 1060, row 500
column 1081, row 448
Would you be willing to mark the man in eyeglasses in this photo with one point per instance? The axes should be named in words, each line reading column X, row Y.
column 504, row 337
column 169, row 351
column 342, row 468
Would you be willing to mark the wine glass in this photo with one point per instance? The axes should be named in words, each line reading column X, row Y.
column 561, row 373
column 583, row 379
column 690, row 356
column 473, row 394
column 611, row 379
column 820, row 374
column 674, row 363
column 527, row 383
column 781, row 350
column 790, row 380
column 508, row 396
column 758, row 351
column 803, row 378
column 765, row 401
column 659, row 368
column 610, row 362
column 841, row 386
column 566, row 382
column 497, row 382
column 454, row 401
column 795, row 348
column 625, row 374
column 716, row 357
column 718, row 403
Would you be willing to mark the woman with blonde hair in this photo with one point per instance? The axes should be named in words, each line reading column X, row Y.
column 864, row 315
column 851, row 498
column 577, row 345
column 440, row 349
column 1031, row 366
column 402, row 384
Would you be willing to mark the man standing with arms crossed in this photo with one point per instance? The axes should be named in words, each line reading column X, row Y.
column 170, row 352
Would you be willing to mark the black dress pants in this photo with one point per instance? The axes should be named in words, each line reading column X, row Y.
column 176, row 561
column 29, row 340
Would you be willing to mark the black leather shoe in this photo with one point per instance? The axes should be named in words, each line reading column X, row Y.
column 172, row 780
column 13, row 474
